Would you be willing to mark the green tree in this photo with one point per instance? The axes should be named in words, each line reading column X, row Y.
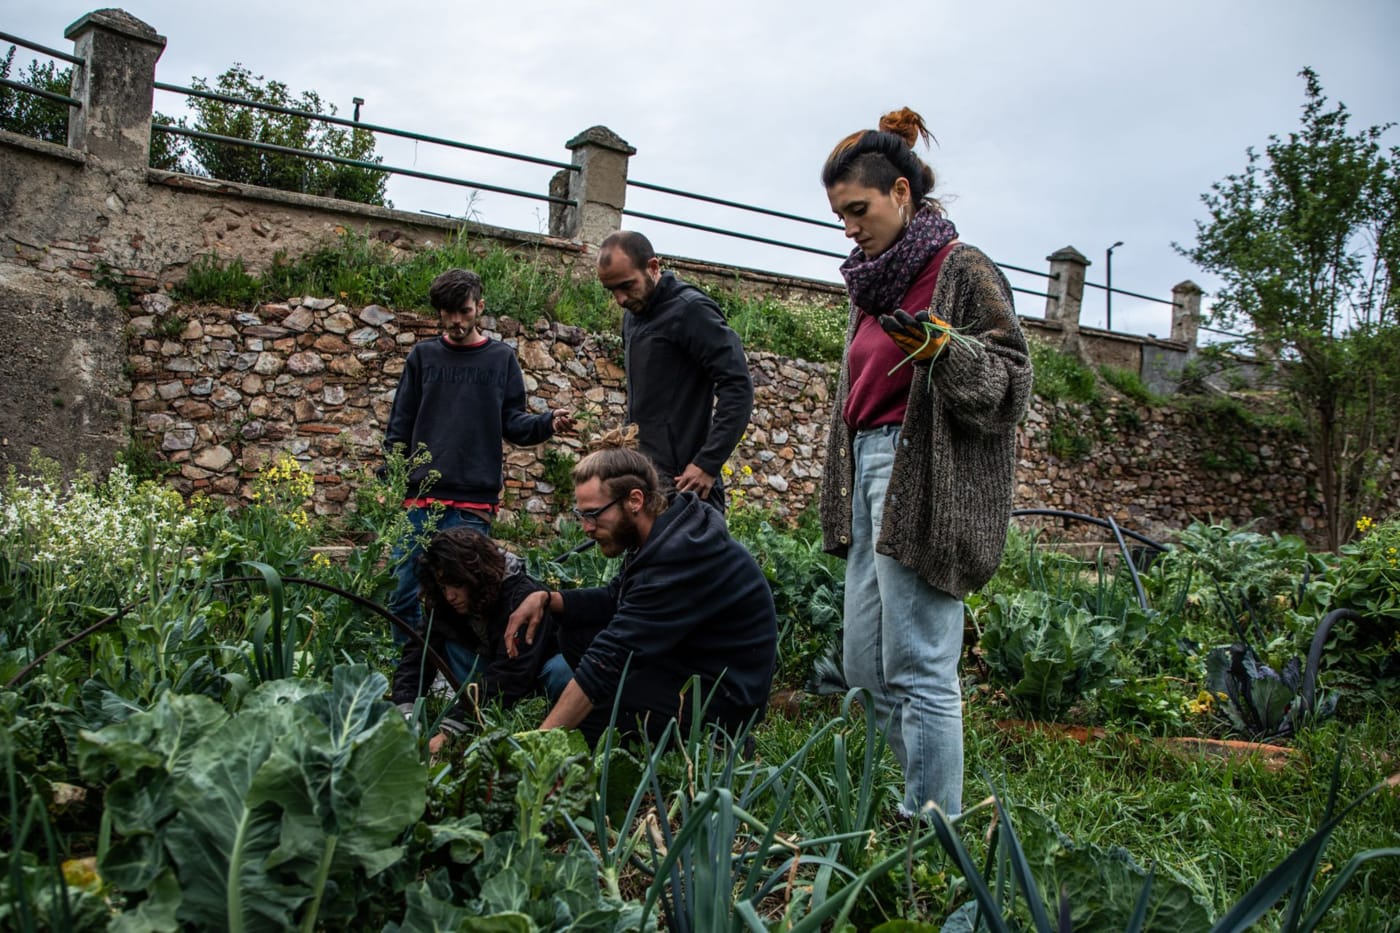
column 168, row 150
column 1306, row 242
column 30, row 114
column 297, row 131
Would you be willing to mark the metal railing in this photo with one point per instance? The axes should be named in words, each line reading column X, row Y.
column 334, row 120
column 23, row 88
column 42, row 49
column 769, row 241
column 359, row 125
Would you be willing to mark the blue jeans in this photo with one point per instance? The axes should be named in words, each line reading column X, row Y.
column 404, row 602
column 903, row 639
column 554, row 675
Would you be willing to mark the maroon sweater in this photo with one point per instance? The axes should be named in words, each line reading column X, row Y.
column 878, row 396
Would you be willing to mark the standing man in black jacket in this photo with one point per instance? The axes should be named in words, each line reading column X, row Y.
column 690, row 601
column 688, row 387
column 459, row 395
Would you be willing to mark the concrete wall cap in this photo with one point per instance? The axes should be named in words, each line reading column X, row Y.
column 119, row 21
column 1068, row 254
column 601, row 136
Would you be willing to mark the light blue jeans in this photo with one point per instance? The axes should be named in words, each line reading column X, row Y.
column 903, row 639
column 404, row 602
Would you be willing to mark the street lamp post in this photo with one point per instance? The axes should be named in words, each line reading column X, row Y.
column 358, row 102
column 1108, row 285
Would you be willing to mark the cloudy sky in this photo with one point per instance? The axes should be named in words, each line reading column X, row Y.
column 1073, row 123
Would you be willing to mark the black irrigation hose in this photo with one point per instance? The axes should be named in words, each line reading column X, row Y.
column 437, row 661
column 1324, row 629
column 579, row 548
column 1128, row 559
column 1056, row 513
column 1118, row 534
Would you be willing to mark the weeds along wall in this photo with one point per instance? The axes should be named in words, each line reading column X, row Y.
column 217, row 393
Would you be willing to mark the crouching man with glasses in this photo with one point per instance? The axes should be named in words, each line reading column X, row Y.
column 689, row 600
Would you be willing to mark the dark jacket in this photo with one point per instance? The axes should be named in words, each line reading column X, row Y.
column 688, row 385
column 949, row 499
column 460, row 402
column 691, row 600
column 500, row 676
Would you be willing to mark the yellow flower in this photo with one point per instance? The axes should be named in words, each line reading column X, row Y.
column 1202, row 704
column 1364, row 523
column 82, row 873
column 320, row 561
column 727, row 470
column 748, row 471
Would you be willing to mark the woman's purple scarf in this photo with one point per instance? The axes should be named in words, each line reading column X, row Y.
column 876, row 285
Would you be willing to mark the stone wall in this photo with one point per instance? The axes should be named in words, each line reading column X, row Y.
column 1154, row 470
column 219, row 392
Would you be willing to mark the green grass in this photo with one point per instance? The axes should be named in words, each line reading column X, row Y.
column 1130, row 384
column 1060, row 376
column 1219, row 825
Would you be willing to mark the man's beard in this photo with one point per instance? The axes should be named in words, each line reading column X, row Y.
column 623, row 537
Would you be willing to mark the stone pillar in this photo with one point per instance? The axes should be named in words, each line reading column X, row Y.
column 1186, row 312
column 1066, row 291
column 599, row 186
column 116, row 86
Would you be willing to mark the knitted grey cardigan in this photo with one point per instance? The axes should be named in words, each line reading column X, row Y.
column 949, row 498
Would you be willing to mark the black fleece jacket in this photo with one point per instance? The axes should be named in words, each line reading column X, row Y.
column 688, row 386
column 460, row 402
column 691, row 600
column 499, row 675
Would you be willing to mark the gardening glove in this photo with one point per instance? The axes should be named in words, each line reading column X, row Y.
column 922, row 335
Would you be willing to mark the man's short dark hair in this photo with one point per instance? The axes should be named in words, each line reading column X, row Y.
column 453, row 289
column 632, row 245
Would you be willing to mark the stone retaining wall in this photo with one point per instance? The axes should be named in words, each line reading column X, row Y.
column 220, row 392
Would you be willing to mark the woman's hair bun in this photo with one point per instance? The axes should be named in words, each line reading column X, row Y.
column 907, row 125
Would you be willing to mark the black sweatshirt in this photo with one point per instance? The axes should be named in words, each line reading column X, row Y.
column 688, row 386
column 691, row 600
column 499, row 675
column 460, row 402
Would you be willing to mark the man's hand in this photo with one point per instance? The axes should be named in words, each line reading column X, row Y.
column 524, row 621
column 436, row 743
column 695, row 480
column 922, row 335
column 563, row 419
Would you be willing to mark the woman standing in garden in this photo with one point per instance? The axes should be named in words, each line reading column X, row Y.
column 916, row 493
